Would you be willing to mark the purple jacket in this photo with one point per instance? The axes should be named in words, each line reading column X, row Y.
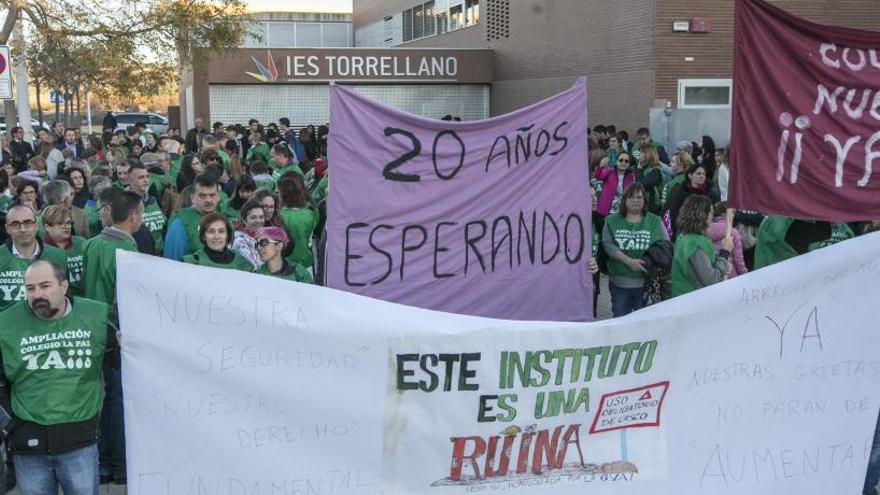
column 608, row 176
column 717, row 229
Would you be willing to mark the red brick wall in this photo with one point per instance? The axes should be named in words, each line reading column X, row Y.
column 713, row 52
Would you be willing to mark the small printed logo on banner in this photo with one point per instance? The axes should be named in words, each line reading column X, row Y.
column 631, row 408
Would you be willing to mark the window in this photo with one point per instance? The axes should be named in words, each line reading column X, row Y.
column 308, row 34
column 456, row 20
column 418, row 22
column 334, row 35
column 705, row 93
column 430, row 16
column 472, row 12
column 280, row 34
column 442, row 20
column 407, row 25
column 156, row 120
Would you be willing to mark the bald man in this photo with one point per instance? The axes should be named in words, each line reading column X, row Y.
column 52, row 348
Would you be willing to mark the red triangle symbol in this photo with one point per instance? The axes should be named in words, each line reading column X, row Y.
column 646, row 395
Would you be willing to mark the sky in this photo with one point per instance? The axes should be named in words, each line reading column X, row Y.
column 299, row 5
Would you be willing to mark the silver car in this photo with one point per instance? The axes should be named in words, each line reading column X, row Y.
column 155, row 122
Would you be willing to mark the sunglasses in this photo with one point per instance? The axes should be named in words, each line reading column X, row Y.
column 265, row 242
column 622, row 160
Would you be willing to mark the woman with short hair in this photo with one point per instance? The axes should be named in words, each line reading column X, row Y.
column 58, row 222
column 273, row 244
column 216, row 234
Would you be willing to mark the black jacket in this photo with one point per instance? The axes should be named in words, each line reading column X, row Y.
column 22, row 151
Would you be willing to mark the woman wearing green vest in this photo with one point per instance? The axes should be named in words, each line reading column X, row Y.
column 216, row 233
column 627, row 234
column 272, row 243
column 299, row 216
column 781, row 238
column 59, row 225
column 694, row 262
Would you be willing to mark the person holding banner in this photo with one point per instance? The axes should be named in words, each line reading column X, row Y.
column 272, row 244
column 627, row 234
column 50, row 401
column 216, row 235
column 718, row 230
column 694, row 263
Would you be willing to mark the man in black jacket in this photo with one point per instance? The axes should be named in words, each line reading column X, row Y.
column 22, row 151
column 194, row 136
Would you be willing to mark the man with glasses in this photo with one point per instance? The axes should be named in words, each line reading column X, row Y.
column 20, row 251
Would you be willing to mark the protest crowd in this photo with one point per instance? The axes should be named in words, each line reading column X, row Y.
column 253, row 198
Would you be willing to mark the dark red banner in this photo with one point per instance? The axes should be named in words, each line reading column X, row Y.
column 805, row 140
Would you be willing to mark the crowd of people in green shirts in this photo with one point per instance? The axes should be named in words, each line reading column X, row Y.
column 254, row 204
column 660, row 221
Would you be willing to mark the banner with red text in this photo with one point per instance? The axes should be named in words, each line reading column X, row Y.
column 486, row 218
column 805, row 139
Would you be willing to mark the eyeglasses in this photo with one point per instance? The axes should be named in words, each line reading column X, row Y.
column 18, row 225
column 636, row 197
column 623, row 160
column 62, row 224
column 265, row 242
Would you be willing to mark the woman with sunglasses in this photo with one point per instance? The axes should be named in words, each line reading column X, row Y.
column 215, row 232
column 58, row 222
column 615, row 179
column 273, row 244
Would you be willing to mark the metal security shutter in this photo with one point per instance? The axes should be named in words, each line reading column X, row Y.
column 307, row 104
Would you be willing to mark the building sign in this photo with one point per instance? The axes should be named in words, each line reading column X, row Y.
column 5, row 74
column 249, row 66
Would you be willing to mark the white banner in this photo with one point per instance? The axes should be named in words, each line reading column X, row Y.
column 242, row 384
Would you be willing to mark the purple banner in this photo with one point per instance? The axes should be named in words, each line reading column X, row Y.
column 487, row 218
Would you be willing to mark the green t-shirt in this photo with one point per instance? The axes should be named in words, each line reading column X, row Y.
column 54, row 366
column 839, row 232
column 224, row 159
column 191, row 219
column 320, row 193
column 154, row 221
column 94, row 218
column 685, row 246
column 261, row 150
column 75, row 265
column 99, row 264
column 201, row 258
column 667, row 188
column 12, row 270
column 633, row 239
column 161, row 183
column 174, row 167
column 265, row 182
column 771, row 247
column 299, row 224
column 291, row 167
column 290, row 271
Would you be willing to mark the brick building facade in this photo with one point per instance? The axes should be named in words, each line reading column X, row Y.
column 633, row 58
